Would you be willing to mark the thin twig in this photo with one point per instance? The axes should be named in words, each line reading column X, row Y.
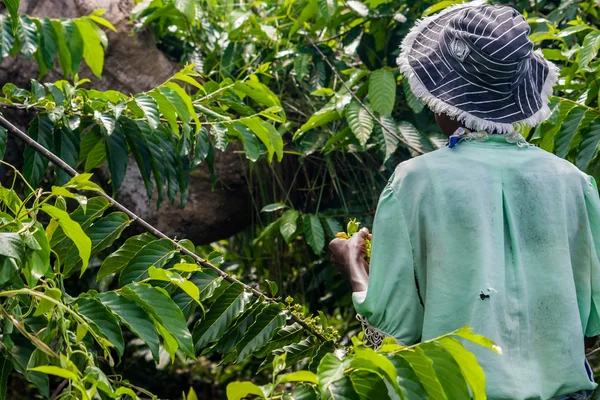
column 135, row 218
column 59, row 389
column 593, row 352
column 385, row 128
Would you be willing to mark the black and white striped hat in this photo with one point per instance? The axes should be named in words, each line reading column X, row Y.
column 476, row 63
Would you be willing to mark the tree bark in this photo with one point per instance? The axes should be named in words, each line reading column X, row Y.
column 134, row 64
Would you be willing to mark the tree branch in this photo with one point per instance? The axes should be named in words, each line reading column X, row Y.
column 149, row 228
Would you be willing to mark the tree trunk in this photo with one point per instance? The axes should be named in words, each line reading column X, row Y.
column 133, row 64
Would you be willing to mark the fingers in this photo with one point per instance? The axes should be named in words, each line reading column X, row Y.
column 364, row 233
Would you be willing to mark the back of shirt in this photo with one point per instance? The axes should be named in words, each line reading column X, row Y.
column 501, row 238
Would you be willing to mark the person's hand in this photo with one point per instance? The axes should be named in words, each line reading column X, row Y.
column 353, row 250
column 351, row 256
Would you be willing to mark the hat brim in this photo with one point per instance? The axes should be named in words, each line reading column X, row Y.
column 477, row 105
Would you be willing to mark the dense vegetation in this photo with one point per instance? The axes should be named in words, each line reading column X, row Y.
column 308, row 92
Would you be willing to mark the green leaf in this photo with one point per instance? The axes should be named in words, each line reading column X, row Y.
column 157, row 303
column 295, row 352
column 341, row 390
column 170, row 159
column 11, row 245
column 49, row 40
column 546, row 131
column 23, row 356
column 413, row 102
column 382, row 91
column 390, row 142
column 273, row 207
column 285, row 336
column 323, row 116
column 589, row 49
column 174, row 278
column 102, row 233
column 301, row 65
column 327, row 8
column 360, row 122
column 117, row 155
column 75, row 43
column 118, row 260
column 34, row 163
column 408, row 381
column 414, row 138
column 201, row 147
column 589, row 146
column 187, row 8
column 73, row 231
column 46, row 305
column 298, row 376
column 219, row 131
column 261, row 131
column 28, row 36
column 141, row 151
column 150, row 109
column 166, row 108
column 13, row 7
column 94, row 210
column 169, row 341
column 93, row 150
column 95, row 376
column 187, row 101
column 470, row 368
column 8, row 39
column 423, row 368
column 251, row 146
column 64, row 55
column 38, row 260
column 447, row 371
column 157, row 158
column 261, row 331
column 258, row 92
column 106, row 120
column 315, row 236
column 287, row 227
column 66, row 147
column 56, row 371
column 237, row 330
column 240, row 390
column 275, row 139
column 156, row 253
column 181, row 106
column 440, row 6
column 567, row 131
column 5, row 370
column 223, row 311
column 369, row 385
column 384, row 365
column 467, row 333
column 134, row 317
column 102, row 321
column 93, row 51
column 207, row 281
column 330, row 370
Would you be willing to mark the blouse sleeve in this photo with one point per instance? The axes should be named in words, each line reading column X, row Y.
column 593, row 211
column 391, row 304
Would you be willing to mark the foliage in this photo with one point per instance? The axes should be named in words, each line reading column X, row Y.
column 309, row 90
column 46, row 331
column 71, row 40
column 441, row 368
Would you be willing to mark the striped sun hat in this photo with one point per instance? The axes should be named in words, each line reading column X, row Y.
column 476, row 63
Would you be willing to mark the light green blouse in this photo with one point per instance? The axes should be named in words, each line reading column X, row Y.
column 517, row 224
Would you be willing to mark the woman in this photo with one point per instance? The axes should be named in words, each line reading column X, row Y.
column 488, row 232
